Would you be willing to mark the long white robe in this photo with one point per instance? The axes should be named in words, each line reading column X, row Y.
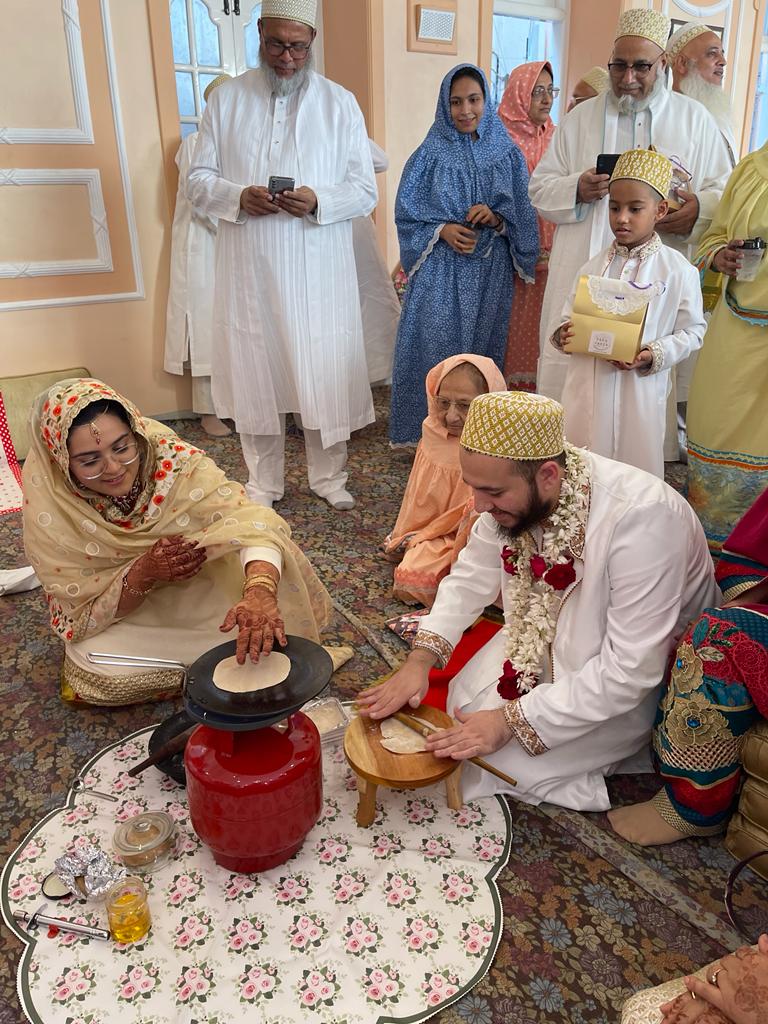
column 678, row 127
column 287, row 327
column 643, row 574
column 379, row 304
column 189, row 318
column 621, row 413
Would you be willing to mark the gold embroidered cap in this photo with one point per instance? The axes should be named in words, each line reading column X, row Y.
column 646, row 165
column 304, row 11
column 647, row 24
column 678, row 41
column 214, row 84
column 514, row 425
column 597, row 78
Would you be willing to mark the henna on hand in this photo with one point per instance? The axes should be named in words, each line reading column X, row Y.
column 170, row 560
column 258, row 619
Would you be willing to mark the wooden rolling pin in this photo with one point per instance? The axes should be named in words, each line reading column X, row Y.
column 173, row 746
column 426, row 728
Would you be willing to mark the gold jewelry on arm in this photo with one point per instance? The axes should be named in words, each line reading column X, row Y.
column 132, row 590
column 260, row 579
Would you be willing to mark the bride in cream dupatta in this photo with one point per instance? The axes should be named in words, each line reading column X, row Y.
column 83, row 544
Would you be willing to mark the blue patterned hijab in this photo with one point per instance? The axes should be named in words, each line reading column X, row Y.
column 451, row 171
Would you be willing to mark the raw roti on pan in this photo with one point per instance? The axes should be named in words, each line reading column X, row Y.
column 269, row 670
column 400, row 739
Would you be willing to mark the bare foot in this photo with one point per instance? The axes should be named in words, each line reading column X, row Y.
column 213, row 426
column 642, row 824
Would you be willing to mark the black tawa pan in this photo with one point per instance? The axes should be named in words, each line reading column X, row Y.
column 310, row 672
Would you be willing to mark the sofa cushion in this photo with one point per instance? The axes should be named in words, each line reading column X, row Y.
column 18, row 395
column 748, row 828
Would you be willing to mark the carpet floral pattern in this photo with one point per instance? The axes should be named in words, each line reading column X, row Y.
column 587, row 918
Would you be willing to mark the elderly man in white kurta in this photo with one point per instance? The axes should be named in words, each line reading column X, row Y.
column 601, row 566
column 288, row 330
column 638, row 111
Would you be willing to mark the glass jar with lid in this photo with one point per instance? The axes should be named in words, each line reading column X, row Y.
column 145, row 841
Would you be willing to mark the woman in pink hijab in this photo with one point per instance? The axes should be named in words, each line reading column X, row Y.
column 524, row 109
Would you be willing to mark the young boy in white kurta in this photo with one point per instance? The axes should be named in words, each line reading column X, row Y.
column 615, row 408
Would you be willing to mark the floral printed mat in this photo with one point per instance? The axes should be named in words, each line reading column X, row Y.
column 389, row 923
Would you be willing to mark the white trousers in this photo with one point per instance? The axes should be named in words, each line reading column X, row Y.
column 202, row 400
column 264, row 456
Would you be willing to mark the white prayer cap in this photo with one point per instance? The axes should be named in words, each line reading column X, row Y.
column 678, row 41
column 597, row 78
column 304, row 11
column 646, row 24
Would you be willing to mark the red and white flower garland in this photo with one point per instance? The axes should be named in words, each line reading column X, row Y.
column 537, row 580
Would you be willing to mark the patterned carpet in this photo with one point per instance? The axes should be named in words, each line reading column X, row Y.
column 588, row 919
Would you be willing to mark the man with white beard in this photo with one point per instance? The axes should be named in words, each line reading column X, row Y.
column 696, row 57
column 287, row 327
column 638, row 111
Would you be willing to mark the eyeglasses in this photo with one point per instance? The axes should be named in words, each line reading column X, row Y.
column 545, row 90
column 444, row 405
column 299, row 51
column 641, row 67
column 124, row 452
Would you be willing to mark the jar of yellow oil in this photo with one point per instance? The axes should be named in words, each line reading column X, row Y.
column 128, row 910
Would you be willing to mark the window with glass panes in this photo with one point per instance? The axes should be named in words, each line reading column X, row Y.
column 209, row 41
column 525, row 32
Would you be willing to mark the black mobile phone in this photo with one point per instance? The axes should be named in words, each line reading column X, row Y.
column 276, row 185
column 606, row 163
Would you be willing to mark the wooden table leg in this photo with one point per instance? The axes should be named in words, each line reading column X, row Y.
column 453, row 789
column 366, row 806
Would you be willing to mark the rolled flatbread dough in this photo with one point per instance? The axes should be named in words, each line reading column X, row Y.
column 269, row 670
column 400, row 739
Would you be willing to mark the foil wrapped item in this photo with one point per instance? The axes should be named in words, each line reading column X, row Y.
column 88, row 868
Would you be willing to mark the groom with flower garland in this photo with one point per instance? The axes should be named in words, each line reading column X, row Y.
column 601, row 567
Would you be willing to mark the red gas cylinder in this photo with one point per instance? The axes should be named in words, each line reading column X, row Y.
column 253, row 796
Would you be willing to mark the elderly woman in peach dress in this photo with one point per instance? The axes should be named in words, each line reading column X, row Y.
column 437, row 512
column 524, row 110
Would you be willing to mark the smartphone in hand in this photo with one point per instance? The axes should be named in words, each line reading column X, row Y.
column 606, row 163
column 276, row 185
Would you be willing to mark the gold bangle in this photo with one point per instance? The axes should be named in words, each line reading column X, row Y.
column 132, row 590
column 260, row 580
column 260, row 577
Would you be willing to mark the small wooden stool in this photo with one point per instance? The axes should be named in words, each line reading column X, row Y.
column 376, row 766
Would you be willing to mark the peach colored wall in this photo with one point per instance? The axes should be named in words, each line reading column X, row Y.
column 591, row 29
column 119, row 341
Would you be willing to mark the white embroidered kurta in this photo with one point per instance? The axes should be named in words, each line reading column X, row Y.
column 379, row 304
column 678, row 127
column 189, row 319
column 622, row 413
column 287, row 326
column 643, row 574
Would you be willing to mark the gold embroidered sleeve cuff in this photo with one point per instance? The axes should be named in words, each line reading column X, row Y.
column 657, row 351
column 522, row 730
column 438, row 645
